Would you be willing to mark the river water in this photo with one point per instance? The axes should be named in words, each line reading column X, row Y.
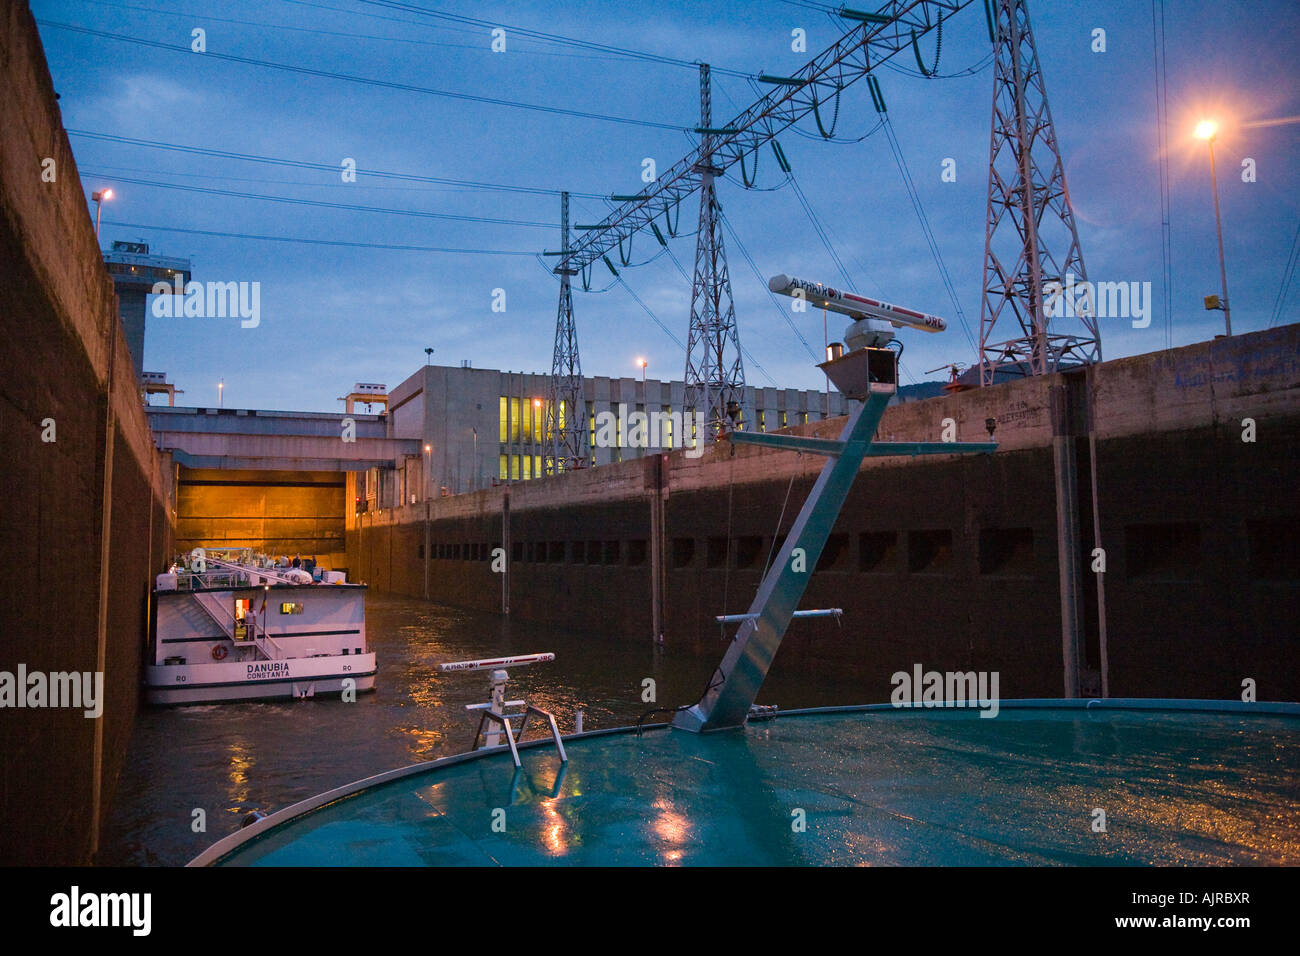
column 229, row 759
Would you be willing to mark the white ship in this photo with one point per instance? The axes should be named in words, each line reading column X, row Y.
column 229, row 628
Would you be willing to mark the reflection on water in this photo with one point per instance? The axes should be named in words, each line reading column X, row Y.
column 229, row 759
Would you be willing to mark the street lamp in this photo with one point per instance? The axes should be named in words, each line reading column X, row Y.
column 428, row 356
column 1206, row 130
column 643, row 363
column 99, row 198
column 221, row 385
column 428, row 469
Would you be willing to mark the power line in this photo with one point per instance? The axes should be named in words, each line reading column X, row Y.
column 735, row 238
column 421, row 214
column 327, row 167
column 1288, row 273
column 914, row 194
column 349, row 35
column 363, row 80
column 550, row 37
column 636, row 298
column 321, row 242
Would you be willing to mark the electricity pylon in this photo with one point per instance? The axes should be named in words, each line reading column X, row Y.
column 715, row 375
column 566, row 415
column 1033, row 265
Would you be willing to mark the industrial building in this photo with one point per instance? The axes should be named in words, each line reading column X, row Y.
column 479, row 427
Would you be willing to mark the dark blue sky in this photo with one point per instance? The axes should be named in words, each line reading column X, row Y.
column 331, row 316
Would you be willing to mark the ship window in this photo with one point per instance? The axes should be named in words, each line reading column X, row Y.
column 288, row 607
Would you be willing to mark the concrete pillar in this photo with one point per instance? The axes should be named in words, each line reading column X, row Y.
column 658, row 580
column 509, row 556
column 1067, row 536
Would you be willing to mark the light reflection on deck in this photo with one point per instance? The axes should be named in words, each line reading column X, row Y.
column 916, row 788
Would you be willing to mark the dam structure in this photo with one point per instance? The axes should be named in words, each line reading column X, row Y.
column 946, row 561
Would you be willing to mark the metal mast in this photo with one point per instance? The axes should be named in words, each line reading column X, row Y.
column 715, row 377
column 1026, row 285
column 566, row 414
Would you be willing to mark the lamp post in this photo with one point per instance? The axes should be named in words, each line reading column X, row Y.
column 221, row 387
column 99, row 198
column 643, row 363
column 1206, row 130
column 428, row 356
column 428, row 469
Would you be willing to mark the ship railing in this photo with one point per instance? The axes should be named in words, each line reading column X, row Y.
column 221, row 615
column 208, row 580
column 268, row 646
column 233, row 568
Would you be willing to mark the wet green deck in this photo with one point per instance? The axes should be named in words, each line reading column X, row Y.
column 874, row 787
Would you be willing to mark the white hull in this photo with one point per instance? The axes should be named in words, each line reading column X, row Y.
column 240, row 633
column 258, row 680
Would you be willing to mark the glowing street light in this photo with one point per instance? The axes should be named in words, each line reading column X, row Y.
column 642, row 363
column 428, row 470
column 221, row 386
column 99, row 197
column 1206, row 130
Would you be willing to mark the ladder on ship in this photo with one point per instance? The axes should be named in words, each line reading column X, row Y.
column 224, row 618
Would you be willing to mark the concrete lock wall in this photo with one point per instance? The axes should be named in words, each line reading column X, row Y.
column 950, row 562
column 89, row 514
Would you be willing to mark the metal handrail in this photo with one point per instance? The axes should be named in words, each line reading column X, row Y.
column 504, row 721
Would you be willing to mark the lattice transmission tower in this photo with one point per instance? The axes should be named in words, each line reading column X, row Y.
column 715, row 375
column 1038, row 312
column 566, row 414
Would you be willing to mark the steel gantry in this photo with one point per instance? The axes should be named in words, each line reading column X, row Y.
column 1029, row 215
column 873, row 39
